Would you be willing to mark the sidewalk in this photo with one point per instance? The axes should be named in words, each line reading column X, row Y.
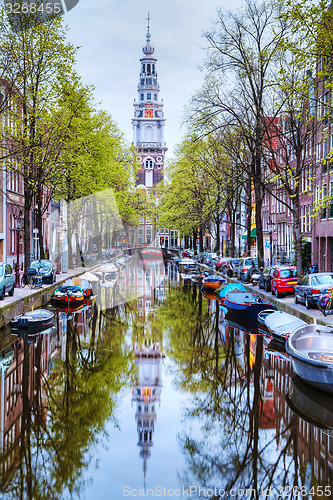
column 26, row 299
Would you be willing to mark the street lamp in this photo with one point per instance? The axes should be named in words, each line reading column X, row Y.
column 18, row 228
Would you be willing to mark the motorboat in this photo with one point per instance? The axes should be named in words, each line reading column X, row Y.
column 32, row 321
column 226, row 288
column 84, row 284
column 281, row 324
column 262, row 315
column 311, row 351
column 311, row 405
column 246, row 303
column 212, row 282
column 69, row 294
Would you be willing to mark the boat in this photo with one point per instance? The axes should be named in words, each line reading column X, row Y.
column 246, row 303
column 212, row 282
column 84, row 284
column 281, row 324
column 69, row 294
column 208, row 294
column 228, row 287
column 311, row 405
column 32, row 321
column 276, row 348
column 262, row 315
column 311, row 351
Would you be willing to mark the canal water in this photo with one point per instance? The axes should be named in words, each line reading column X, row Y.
column 147, row 391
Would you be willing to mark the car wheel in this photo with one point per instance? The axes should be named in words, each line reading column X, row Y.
column 295, row 298
column 11, row 292
column 278, row 294
column 2, row 295
column 307, row 303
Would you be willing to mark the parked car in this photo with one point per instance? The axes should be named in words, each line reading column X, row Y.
column 45, row 269
column 188, row 253
column 244, row 265
column 265, row 278
column 284, row 280
column 311, row 286
column 222, row 264
column 209, row 258
column 7, row 280
column 201, row 257
column 232, row 267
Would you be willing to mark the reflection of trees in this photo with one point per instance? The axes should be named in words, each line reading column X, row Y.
column 231, row 450
column 64, row 415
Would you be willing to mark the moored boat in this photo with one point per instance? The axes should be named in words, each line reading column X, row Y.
column 246, row 303
column 84, row 284
column 212, row 282
column 262, row 315
column 228, row 287
column 311, row 351
column 69, row 294
column 33, row 320
column 281, row 324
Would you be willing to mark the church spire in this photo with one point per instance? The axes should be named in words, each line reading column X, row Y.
column 148, row 50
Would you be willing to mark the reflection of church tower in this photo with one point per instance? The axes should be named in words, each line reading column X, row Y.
column 147, row 394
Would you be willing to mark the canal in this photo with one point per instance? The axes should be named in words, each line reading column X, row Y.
column 146, row 391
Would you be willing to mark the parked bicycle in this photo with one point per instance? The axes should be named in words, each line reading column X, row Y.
column 325, row 303
column 32, row 279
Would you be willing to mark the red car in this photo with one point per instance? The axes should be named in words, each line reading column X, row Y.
column 284, row 280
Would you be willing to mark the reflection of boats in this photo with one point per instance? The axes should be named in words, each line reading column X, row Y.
column 71, row 308
column 32, row 336
column 280, row 324
column 84, row 284
column 69, row 294
column 212, row 282
column 313, row 406
column 246, row 303
column 208, row 294
column 311, row 350
column 247, row 325
column 229, row 287
column 151, row 253
column 169, row 252
column 276, row 348
column 33, row 320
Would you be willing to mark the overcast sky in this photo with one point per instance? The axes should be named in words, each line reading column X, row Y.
column 111, row 34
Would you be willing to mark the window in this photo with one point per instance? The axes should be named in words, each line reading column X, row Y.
column 318, row 151
column 330, row 212
column 149, row 164
column 326, row 102
column 142, row 96
column 324, row 195
column 148, row 97
column 155, row 97
column 148, row 69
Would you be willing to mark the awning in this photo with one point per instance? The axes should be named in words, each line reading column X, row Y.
column 253, row 234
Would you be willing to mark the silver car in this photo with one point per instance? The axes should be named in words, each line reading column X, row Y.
column 7, row 280
column 311, row 286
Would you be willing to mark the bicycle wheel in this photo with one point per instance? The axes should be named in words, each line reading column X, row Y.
column 327, row 308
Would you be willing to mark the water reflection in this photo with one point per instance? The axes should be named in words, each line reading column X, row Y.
column 159, row 390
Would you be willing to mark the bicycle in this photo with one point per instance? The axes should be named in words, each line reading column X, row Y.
column 325, row 303
column 32, row 279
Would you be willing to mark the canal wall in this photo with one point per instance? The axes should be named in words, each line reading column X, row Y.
column 286, row 304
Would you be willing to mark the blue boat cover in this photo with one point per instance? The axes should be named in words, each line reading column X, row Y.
column 231, row 287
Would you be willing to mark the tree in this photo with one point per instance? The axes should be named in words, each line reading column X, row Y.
column 39, row 57
column 243, row 47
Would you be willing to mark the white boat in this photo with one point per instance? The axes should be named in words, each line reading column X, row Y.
column 281, row 324
column 311, row 351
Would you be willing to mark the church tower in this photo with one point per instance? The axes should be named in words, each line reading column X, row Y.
column 148, row 122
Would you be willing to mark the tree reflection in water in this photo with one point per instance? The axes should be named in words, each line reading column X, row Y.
column 232, row 449
column 61, row 415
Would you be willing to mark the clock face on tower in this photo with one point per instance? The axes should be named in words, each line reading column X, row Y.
column 149, row 113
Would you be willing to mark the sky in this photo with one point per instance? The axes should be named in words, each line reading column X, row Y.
column 111, row 34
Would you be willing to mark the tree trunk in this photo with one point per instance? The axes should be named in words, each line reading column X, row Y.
column 218, row 240
column 195, row 237
column 27, row 225
column 39, row 221
column 201, row 246
column 298, row 238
